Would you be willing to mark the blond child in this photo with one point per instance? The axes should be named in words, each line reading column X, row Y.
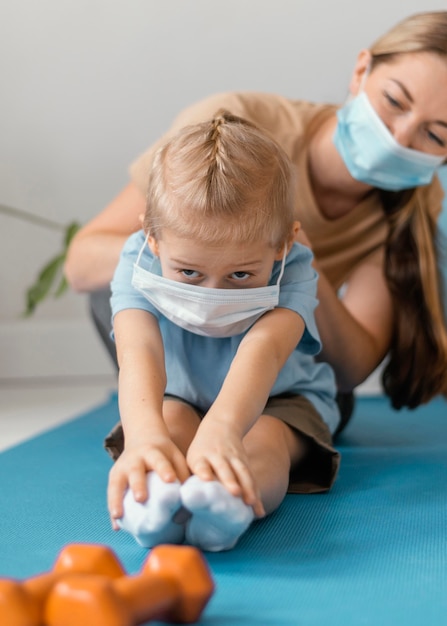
column 222, row 403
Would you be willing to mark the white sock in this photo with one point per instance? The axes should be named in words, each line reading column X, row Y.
column 151, row 522
column 218, row 518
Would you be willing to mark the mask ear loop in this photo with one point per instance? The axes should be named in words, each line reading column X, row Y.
column 145, row 243
column 283, row 264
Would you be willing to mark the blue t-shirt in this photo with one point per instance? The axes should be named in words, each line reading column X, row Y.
column 196, row 366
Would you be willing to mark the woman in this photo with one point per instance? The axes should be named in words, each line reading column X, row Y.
column 368, row 200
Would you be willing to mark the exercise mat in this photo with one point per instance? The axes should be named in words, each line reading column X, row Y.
column 372, row 551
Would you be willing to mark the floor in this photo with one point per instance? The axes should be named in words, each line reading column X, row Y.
column 30, row 408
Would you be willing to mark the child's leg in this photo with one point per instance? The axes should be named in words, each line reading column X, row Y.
column 182, row 421
column 273, row 448
column 219, row 518
column 151, row 522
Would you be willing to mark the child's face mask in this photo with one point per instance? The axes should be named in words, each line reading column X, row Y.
column 205, row 311
column 371, row 153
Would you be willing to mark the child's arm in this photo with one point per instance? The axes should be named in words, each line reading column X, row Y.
column 217, row 449
column 141, row 386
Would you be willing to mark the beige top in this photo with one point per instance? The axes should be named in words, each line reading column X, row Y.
column 339, row 245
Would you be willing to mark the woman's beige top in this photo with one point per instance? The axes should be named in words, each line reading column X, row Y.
column 339, row 245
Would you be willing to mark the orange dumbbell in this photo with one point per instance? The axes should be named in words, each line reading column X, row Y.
column 174, row 585
column 22, row 603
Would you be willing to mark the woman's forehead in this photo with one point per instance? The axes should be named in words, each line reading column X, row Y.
column 421, row 76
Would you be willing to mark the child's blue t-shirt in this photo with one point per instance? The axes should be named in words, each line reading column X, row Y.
column 196, row 366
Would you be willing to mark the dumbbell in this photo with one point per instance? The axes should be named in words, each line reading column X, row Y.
column 22, row 602
column 174, row 585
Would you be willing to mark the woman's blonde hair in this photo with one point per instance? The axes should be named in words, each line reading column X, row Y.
column 422, row 32
column 222, row 180
column 417, row 367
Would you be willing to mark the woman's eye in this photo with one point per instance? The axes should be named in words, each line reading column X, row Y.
column 435, row 138
column 392, row 101
column 190, row 273
column 240, row 275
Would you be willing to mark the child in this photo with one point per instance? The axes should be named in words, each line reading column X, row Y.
column 223, row 406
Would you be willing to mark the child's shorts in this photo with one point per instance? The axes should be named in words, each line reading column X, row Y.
column 318, row 470
column 314, row 474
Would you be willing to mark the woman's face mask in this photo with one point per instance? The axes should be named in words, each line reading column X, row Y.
column 206, row 311
column 371, row 153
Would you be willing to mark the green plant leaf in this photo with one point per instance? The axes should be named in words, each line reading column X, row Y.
column 51, row 272
column 40, row 289
column 62, row 287
column 70, row 232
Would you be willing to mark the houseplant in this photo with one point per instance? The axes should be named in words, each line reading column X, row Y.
column 50, row 279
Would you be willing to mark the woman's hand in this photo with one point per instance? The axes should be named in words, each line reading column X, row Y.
column 217, row 453
column 160, row 455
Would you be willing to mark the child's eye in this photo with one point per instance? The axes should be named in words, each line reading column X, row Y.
column 240, row 275
column 190, row 273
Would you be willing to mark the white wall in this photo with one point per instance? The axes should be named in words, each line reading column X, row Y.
column 88, row 84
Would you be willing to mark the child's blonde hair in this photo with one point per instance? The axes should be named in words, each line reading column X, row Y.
column 222, row 180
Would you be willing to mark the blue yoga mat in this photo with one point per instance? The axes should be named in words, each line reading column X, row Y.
column 372, row 551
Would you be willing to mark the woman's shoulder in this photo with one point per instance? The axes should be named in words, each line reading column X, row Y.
column 282, row 118
column 265, row 109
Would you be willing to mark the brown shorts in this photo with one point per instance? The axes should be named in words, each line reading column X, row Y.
column 314, row 474
column 318, row 470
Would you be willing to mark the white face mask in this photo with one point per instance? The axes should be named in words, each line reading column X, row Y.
column 205, row 311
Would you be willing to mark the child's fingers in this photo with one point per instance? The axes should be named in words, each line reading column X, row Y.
column 173, row 465
column 250, row 492
column 160, row 463
column 115, row 493
column 181, row 469
column 154, row 461
column 138, row 483
column 203, row 469
column 234, row 476
column 218, row 467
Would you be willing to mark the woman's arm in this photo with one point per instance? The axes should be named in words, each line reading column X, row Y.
column 355, row 330
column 94, row 251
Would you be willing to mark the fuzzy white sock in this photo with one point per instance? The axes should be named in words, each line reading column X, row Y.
column 151, row 522
column 218, row 518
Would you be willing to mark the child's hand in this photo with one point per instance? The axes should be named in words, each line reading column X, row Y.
column 131, row 468
column 218, row 453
